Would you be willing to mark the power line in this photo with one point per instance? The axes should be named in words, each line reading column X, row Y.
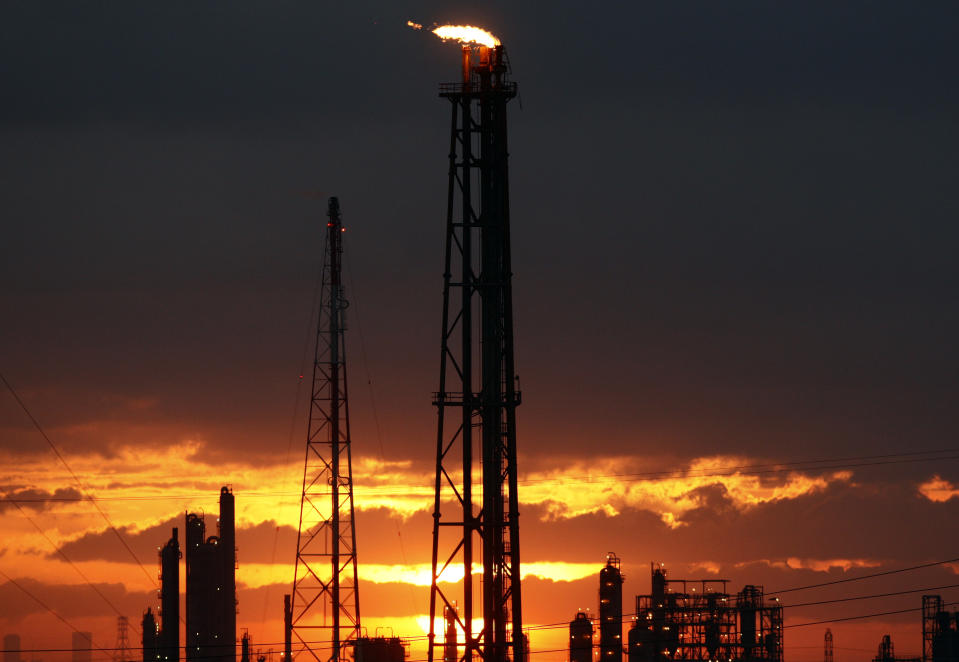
column 534, row 628
column 862, row 616
column 49, row 609
column 91, row 499
column 314, row 304
column 869, row 597
column 72, row 564
column 376, row 418
column 856, row 579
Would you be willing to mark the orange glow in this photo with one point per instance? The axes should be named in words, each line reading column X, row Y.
column 825, row 565
column 816, row 565
column 562, row 495
column 466, row 34
column 938, row 490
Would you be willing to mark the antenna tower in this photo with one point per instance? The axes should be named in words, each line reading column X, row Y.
column 827, row 647
column 477, row 529
column 326, row 605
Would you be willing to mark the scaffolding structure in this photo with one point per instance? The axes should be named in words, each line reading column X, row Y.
column 760, row 625
column 931, row 606
column 700, row 620
column 886, row 652
column 478, row 394
column 325, row 611
column 940, row 631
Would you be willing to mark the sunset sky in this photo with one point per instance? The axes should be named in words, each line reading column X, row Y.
column 734, row 247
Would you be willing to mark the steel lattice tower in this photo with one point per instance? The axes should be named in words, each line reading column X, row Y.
column 478, row 394
column 326, row 604
column 121, row 652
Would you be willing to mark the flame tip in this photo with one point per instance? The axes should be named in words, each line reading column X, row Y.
column 466, row 34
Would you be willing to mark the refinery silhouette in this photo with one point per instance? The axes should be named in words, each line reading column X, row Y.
column 476, row 532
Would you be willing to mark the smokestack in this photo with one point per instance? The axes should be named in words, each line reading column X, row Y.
column 467, row 54
column 227, row 531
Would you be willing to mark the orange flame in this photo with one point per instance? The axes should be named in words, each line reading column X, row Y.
column 466, row 34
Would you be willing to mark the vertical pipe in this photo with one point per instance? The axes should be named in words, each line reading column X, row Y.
column 169, row 647
column 287, row 628
column 470, row 522
column 490, row 351
column 334, row 244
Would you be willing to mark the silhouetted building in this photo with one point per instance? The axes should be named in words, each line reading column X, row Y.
column 211, row 586
column 150, row 636
column 699, row 620
column 11, row 648
column 82, row 647
column 379, row 649
column 611, row 611
column 581, row 638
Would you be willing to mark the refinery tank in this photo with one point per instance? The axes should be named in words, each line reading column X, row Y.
column 641, row 645
column 581, row 638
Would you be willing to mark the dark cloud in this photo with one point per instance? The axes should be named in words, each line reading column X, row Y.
column 843, row 521
column 36, row 499
column 263, row 542
column 733, row 234
column 216, row 62
column 70, row 601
